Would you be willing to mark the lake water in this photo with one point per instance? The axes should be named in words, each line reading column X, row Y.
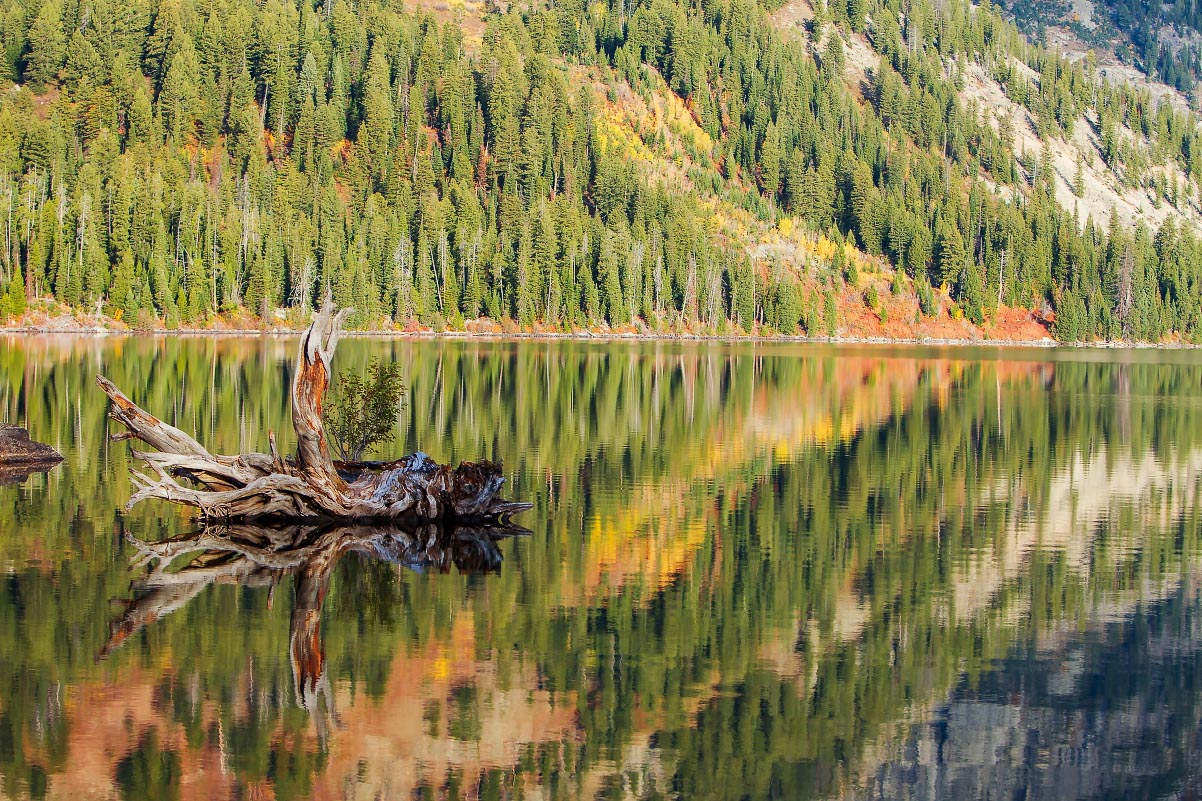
column 754, row 571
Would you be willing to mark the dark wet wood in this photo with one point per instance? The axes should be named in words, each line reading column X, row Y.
column 17, row 449
column 21, row 457
column 258, row 486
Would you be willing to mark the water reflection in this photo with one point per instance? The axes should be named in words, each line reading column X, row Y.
column 1112, row 711
column 261, row 556
column 755, row 572
column 17, row 474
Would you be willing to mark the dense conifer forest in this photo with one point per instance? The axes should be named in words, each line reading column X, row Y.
column 166, row 161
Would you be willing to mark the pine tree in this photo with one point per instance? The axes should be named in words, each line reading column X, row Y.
column 609, row 266
column 972, row 294
column 376, row 134
column 179, row 102
column 771, row 156
column 949, row 253
column 47, row 44
column 855, row 14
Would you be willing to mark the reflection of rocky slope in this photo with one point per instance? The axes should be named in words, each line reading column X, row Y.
column 1061, row 517
column 1103, row 517
column 1098, row 518
column 1113, row 712
column 1089, row 491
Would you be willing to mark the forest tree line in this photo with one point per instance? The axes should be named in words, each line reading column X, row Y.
column 176, row 159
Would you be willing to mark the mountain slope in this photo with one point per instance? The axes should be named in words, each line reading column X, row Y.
column 1162, row 41
column 646, row 166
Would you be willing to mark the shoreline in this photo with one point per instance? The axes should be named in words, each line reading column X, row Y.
column 548, row 336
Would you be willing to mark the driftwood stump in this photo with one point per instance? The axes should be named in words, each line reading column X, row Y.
column 309, row 487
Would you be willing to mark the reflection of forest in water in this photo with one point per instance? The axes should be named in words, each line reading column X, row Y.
column 754, row 570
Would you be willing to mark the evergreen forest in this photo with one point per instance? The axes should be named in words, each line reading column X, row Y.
column 169, row 161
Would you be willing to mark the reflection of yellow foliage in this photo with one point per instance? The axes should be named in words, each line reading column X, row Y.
column 821, row 432
column 848, row 426
column 453, row 657
column 642, row 543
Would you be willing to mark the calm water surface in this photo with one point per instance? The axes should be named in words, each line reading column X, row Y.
column 755, row 571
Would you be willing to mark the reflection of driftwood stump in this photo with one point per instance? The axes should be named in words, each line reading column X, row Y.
column 257, row 555
column 309, row 487
column 20, row 456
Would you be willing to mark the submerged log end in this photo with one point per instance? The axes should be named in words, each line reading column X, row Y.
column 21, row 457
column 474, row 488
column 16, row 448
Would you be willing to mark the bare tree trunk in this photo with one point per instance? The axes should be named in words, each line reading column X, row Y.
column 308, row 390
column 254, row 486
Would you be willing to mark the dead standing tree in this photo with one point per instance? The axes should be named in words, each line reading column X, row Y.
column 256, row 486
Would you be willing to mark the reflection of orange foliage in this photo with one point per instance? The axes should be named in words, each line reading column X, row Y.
column 391, row 736
column 399, row 745
column 108, row 721
column 838, row 400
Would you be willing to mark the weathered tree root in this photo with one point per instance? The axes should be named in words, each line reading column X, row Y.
column 258, row 486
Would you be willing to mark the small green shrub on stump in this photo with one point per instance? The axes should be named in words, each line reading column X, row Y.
column 360, row 411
